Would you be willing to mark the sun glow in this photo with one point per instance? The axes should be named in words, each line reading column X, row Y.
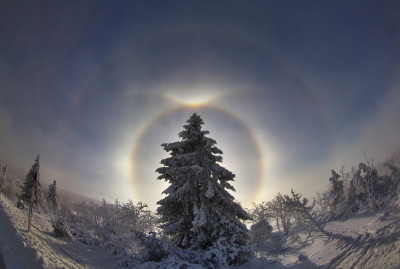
column 195, row 98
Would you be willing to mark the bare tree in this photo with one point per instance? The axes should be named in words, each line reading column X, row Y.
column 283, row 216
column 305, row 210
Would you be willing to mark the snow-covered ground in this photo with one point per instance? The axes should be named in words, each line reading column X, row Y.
column 12, row 250
column 375, row 243
column 40, row 248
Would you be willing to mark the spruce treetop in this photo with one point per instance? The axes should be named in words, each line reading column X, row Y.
column 32, row 183
column 52, row 194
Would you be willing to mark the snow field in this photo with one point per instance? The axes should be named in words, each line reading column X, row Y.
column 51, row 251
column 375, row 244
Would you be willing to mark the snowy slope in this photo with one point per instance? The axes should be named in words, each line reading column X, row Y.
column 42, row 249
column 375, row 243
column 12, row 250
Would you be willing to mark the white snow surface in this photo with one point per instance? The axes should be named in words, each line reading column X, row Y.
column 40, row 248
column 375, row 243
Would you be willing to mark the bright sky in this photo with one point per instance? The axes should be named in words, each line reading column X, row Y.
column 289, row 90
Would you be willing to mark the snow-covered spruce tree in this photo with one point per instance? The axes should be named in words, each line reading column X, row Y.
column 52, row 195
column 32, row 184
column 336, row 194
column 31, row 189
column 198, row 212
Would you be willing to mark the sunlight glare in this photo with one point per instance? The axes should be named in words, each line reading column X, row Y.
column 195, row 98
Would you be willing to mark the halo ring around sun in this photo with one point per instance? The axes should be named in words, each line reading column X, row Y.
column 256, row 185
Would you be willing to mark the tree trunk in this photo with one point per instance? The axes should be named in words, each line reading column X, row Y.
column 31, row 203
column 4, row 170
column 322, row 230
column 29, row 217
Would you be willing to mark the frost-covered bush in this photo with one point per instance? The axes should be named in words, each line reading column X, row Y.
column 369, row 191
column 61, row 228
column 323, row 206
column 232, row 250
column 363, row 189
column 20, row 204
column 222, row 254
column 65, row 210
column 113, row 227
column 117, row 217
column 11, row 187
column 277, row 212
column 304, row 210
column 137, row 217
column 260, row 232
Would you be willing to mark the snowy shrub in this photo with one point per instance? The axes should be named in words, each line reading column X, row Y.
column 20, row 204
column 154, row 249
column 302, row 258
column 261, row 212
column 231, row 250
column 260, row 232
column 174, row 261
column 11, row 188
column 118, row 218
column 323, row 206
column 305, row 211
column 391, row 167
column 284, row 218
column 60, row 228
column 394, row 171
column 277, row 212
column 332, row 203
column 136, row 217
column 215, row 258
column 66, row 211
column 363, row 189
column 369, row 191
column 114, row 227
column 222, row 254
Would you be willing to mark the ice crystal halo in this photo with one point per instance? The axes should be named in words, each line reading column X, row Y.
column 196, row 99
column 137, row 166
